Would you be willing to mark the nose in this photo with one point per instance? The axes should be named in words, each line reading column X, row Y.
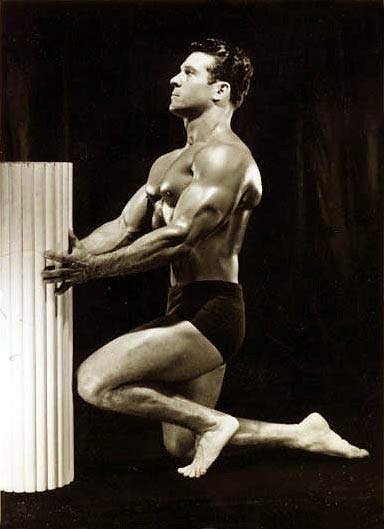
column 175, row 81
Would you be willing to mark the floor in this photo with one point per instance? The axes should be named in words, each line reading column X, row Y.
column 245, row 489
column 124, row 479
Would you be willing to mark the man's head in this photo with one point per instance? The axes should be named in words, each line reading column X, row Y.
column 215, row 73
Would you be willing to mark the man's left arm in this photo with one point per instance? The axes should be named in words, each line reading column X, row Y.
column 201, row 209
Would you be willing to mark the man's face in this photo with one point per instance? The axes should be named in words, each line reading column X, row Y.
column 192, row 92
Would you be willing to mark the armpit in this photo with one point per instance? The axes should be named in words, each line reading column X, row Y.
column 152, row 195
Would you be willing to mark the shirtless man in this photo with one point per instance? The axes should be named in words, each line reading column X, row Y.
column 199, row 199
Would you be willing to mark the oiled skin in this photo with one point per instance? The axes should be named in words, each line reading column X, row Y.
column 215, row 255
column 191, row 214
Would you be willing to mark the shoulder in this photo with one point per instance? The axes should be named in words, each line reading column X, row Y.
column 221, row 159
column 219, row 154
column 230, row 164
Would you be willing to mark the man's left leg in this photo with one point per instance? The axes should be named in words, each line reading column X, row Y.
column 313, row 434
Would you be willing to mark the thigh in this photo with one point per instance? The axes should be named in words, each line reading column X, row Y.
column 169, row 353
column 204, row 390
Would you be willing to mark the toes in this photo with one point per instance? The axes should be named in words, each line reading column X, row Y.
column 183, row 470
column 194, row 470
column 354, row 451
column 198, row 471
column 188, row 471
column 359, row 452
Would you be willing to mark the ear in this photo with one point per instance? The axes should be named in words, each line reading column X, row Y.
column 222, row 91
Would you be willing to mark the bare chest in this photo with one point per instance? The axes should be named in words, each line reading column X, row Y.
column 165, row 185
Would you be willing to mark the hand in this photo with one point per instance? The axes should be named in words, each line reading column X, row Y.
column 77, row 266
column 76, row 247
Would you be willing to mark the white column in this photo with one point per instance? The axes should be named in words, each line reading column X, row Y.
column 36, row 407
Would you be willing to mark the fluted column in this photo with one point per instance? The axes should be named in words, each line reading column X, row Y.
column 36, row 407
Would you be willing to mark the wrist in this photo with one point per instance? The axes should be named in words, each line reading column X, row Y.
column 96, row 268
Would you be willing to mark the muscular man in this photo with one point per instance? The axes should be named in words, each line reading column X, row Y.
column 199, row 199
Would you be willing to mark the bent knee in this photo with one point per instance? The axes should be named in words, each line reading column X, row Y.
column 89, row 386
column 181, row 447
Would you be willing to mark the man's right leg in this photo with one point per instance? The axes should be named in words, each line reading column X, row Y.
column 205, row 390
column 132, row 373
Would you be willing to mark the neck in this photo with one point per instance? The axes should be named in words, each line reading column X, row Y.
column 202, row 127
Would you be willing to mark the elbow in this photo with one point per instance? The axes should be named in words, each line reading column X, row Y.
column 259, row 194
column 184, row 249
column 182, row 245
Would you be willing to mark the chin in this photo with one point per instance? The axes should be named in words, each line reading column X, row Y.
column 177, row 111
column 184, row 112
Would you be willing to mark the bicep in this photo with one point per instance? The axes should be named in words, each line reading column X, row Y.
column 203, row 207
column 209, row 200
column 134, row 217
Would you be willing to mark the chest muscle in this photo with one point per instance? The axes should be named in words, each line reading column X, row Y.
column 168, row 184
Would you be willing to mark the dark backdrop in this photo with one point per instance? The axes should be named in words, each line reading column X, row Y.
column 89, row 83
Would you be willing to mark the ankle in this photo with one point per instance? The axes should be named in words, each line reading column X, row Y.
column 294, row 438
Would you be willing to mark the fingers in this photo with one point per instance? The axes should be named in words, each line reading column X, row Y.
column 73, row 241
column 61, row 274
column 63, row 278
column 68, row 272
column 65, row 285
column 62, row 258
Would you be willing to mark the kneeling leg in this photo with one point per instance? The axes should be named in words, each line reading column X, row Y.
column 205, row 390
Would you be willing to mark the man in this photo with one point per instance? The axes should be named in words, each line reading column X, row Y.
column 199, row 198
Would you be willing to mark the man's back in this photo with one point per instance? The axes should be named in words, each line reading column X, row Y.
column 221, row 165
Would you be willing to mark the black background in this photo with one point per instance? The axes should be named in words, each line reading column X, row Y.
column 89, row 83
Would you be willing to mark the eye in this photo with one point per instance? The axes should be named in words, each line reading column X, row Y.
column 151, row 199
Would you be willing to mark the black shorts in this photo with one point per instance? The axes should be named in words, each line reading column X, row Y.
column 215, row 308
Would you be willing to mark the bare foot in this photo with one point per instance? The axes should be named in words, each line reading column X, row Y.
column 209, row 444
column 315, row 435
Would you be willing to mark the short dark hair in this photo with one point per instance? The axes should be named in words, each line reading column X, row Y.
column 232, row 65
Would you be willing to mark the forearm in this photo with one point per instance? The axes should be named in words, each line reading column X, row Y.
column 107, row 238
column 152, row 250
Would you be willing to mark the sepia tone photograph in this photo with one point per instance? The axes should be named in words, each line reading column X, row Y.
column 191, row 264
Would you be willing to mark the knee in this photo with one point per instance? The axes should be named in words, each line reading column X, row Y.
column 89, row 386
column 179, row 446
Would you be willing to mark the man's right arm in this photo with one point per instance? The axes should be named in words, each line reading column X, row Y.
column 133, row 222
